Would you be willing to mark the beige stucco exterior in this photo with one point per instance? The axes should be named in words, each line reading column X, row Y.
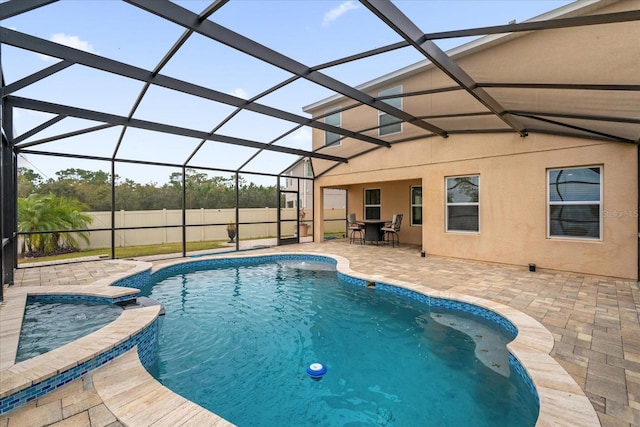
column 513, row 198
column 513, row 201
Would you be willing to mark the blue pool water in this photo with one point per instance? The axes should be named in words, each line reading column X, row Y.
column 238, row 340
column 49, row 325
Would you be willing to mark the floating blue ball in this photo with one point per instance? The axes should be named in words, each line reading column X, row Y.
column 316, row 370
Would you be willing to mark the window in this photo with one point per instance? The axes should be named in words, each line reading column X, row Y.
column 372, row 203
column 575, row 202
column 308, row 168
column 463, row 203
column 387, row 123
column 331, row 138
column 416, row 205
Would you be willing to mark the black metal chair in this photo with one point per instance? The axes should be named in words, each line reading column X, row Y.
column 356, row 230
column 391, row 232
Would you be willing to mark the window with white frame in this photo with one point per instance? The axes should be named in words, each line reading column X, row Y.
column 372, row 204
column 330, row 138
column 575, row 202
column 387, row 123
column 463, row 203
column 416, row 205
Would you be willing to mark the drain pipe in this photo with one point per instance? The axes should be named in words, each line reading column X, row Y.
column 638, row 208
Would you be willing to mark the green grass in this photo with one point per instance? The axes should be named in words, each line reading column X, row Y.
column 93, row 252
column 337, row 234
column 132, row 251
column 145, row 250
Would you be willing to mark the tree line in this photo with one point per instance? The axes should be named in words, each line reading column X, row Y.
column 58, row 204
column 92, row 189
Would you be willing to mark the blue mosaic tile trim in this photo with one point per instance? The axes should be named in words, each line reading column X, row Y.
column 407, row 293
column 517, row 367
column 148, row 344
column 146, row 340
column 50, row 298
column 351, row 280
column 138, row 280
column 466, row 307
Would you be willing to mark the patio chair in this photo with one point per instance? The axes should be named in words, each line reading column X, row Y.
column 391, row 232
column 356, row 230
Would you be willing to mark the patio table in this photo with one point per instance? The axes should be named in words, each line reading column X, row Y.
column 372, row 231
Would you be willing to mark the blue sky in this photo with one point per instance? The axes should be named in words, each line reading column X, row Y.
column 311, row 32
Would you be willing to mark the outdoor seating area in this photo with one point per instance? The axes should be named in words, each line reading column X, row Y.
column 374, row 231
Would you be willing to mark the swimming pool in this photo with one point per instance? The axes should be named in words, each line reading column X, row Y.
column 51, row 323
column 237, row 340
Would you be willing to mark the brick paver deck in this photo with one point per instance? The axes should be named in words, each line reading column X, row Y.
column 594, row 321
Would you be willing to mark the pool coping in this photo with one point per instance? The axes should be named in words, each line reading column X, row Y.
column 562, row 401
column 136, row 398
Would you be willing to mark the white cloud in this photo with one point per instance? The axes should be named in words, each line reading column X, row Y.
column 71, row 41
column 337, row 12
column 302, row 136
column 240, row 93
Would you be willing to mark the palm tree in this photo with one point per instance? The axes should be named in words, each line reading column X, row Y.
column 55, row 215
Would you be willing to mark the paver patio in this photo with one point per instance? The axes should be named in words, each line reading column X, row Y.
column 594, row 321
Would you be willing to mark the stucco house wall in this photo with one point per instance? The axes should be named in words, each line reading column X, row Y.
column 513, row 170
column 513, row 198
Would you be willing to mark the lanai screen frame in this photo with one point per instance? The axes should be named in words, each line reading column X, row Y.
column 193, row 23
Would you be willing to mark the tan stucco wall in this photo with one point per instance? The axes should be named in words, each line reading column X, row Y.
column 513, row 197
column 595, row 54
column 513, row 170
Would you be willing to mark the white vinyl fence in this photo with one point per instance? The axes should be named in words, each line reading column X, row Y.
column 254, row 224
